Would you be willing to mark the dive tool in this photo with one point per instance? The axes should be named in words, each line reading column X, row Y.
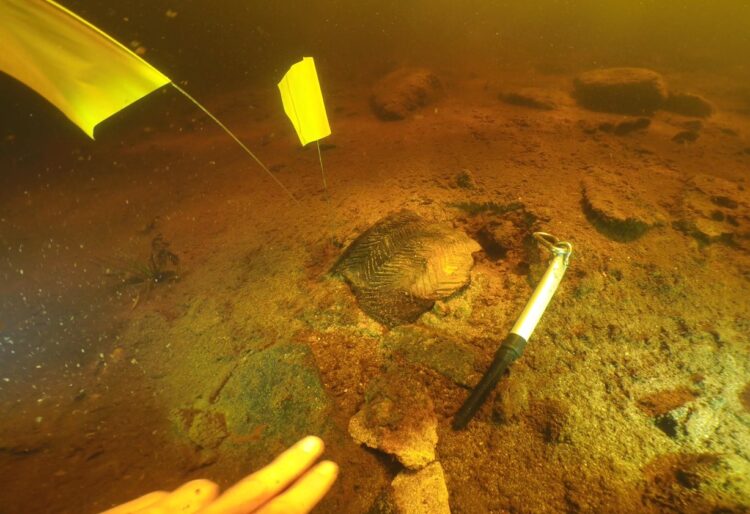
column 515, row 342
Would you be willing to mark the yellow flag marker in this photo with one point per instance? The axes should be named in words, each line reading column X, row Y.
column 82, row 71
column 79, row 69
column 303, row 101
column 303, row 104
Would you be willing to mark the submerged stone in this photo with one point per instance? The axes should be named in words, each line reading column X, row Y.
column 397, row 418
column 275, row 397
column 617, row 207
column 421, row 492
column 634, row 91
column 713, row 210
column 688, row 104
column 424, row 348
column 532, row 98
column 403, row 91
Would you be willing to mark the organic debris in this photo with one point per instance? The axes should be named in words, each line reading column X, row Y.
column 160, row 267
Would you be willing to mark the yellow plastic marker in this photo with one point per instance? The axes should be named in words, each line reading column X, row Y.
column 81, row 70
column 303, row 101
column 303, row 104
column 78, row 68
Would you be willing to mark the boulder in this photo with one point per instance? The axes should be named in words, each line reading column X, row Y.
column 397, row 418
column 403, row 91
column 636, row 91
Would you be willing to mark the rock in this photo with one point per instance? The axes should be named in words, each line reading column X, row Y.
column 688, row 104
column 420, row 346
column 701, row 424
column 715, row 210
column 532, row 98
column 401, row 265
column 397, row 418
column 403, row 91
column 685, row 136
column 626, row 127
column 421, row 492
column 465, row 180
column 511, row 401
column 207, row 429
column 620, row 208
column 637, row 91
column 272, row 399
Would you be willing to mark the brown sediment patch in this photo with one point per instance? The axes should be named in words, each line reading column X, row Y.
column 745, row 397
column 661, row 402
column 673, row 483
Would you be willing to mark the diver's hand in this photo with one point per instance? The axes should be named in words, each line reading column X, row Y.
column 288, row 485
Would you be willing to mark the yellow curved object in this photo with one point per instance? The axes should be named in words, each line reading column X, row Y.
column 78, row 68
column 303, row 101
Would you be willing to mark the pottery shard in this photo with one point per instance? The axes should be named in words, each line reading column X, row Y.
column 397, row 418
column 618, row 207
column 421, row 492
column 634, row 91
column 400, row 266
column 403, row 91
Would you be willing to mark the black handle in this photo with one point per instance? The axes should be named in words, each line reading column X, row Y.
column 510, row 350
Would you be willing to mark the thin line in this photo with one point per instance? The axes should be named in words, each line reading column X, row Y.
column 236, row 139
column 322, row 173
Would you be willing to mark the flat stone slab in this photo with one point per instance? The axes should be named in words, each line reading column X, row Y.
column 618, row 207
column 397, row 418
column 400, row 266
column 402, row 92
column 636, row 91
column 422, row 347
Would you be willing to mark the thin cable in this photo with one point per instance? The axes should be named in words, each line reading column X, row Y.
column 242, row 145
column 322, row 172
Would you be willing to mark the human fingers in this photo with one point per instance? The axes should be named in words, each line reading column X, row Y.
column 189, row 498
column 256, row 489
column 305, row 493
column 138, row 504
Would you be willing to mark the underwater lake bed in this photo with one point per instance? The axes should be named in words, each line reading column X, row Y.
column 167, row 312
